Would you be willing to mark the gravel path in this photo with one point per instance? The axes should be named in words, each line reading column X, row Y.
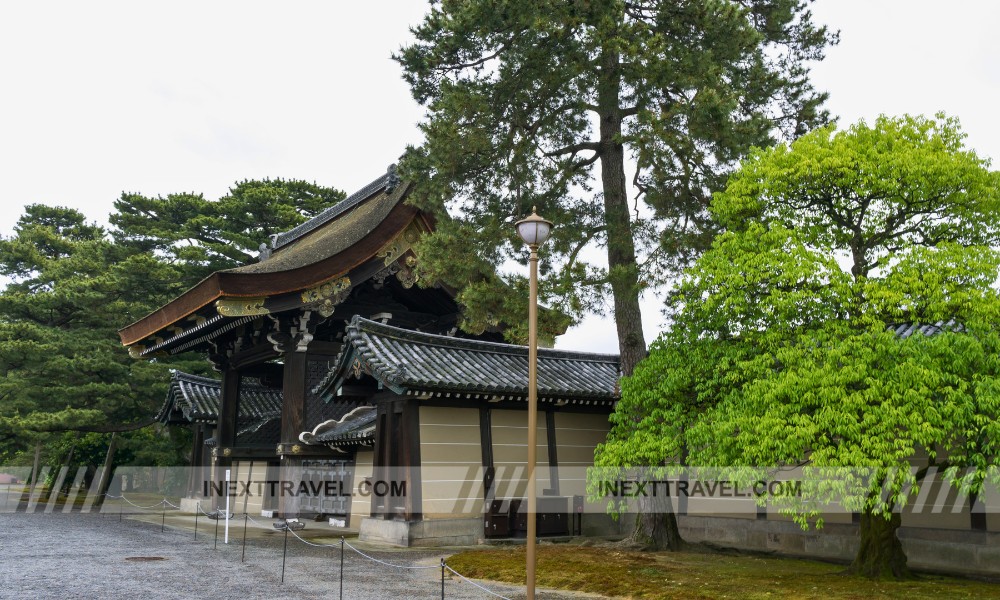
column 84, row 556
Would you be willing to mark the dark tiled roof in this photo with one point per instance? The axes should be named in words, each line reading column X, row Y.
column 264, row 431
column 413, row 362
column 357, row 426
column 336, row 236
column 192, row 398
column 387, row 182
column 905, row 330
column 210, row 328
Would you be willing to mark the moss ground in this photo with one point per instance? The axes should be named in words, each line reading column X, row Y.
column 626, row 574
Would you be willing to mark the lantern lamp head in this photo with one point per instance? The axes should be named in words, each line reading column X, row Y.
column 534, row 230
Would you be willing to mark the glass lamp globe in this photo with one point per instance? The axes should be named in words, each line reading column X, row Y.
column 534, row 230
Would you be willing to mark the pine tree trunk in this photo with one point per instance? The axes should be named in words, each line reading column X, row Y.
column 656, row 526
column 37, row 465
column 880, row 553
column 109, row 460
column 622, row 265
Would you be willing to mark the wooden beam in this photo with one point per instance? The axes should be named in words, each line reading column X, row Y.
column 252, row 356
column 550, row 437
column 229, row 407
column 486, row 447
column 411, row 456
column 293, row 412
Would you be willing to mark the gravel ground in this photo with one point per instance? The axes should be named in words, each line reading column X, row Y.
column 85, row 556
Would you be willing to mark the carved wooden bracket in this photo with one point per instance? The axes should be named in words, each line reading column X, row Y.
column 295, row 334
column 219, row 354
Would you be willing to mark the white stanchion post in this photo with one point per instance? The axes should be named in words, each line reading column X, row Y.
column 226, row 539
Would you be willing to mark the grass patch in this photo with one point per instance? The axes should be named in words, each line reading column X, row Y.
column 621, row 573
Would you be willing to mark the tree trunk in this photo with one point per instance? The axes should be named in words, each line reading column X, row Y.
column 622, row 265
column 109, row 460
column 655, row 526
column 880, row 553
column 36, row 465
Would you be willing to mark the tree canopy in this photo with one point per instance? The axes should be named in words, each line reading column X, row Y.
column 72, row 285
column 783, row 349
column 544, row 103
column 70, row 288
column 204, row 236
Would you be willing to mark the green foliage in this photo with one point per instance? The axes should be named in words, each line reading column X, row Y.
column 779, row 353
column 63, row 368
column 203, row 236
column 526, row 99
column 870, row 190
column 72, row 285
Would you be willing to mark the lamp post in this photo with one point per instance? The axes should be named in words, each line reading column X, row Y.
column 534, row 230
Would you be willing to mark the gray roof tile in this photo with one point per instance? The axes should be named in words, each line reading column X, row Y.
column 192, row 398
column 386, row 182
column 356, row 427
column 411, row 361
column 905, row 330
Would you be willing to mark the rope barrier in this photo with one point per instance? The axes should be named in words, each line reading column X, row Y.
column 254, row 521
column 473, row 583
column 165, row 502
column 382, row 562
column 160, row 503
column 308, row 543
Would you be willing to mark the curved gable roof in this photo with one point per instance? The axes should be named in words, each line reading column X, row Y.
column 322, row 249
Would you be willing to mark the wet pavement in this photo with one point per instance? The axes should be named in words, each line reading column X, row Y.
column 74, row 555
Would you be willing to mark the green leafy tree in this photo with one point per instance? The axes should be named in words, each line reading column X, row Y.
column 556, row 104
column 781, row 353
column 203, row 236
column 70, row 288
column 73, row 285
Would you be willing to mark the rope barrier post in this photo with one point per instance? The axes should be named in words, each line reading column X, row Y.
column 216, row 545
column 121, row 507
column 442, row 579
column 163, row 514
column 246, row 516
column 341, row 567
column 284, row 553
column 196, row 511
column 227, row 505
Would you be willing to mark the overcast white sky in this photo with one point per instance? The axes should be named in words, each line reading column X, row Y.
column 100, row 97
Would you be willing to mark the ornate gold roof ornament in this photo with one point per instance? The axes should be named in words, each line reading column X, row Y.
column 325, row 297
column 400, row 244
column 241, row 307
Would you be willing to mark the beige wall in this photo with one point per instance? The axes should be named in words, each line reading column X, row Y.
column 451, row 462
column 991, row 498
column 361, row 506
column 577, row 435
column 938, row 505
column 510, row 454
column 257, row 471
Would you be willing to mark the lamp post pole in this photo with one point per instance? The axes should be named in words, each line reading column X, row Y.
column 532, row 419
column 534, row 230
